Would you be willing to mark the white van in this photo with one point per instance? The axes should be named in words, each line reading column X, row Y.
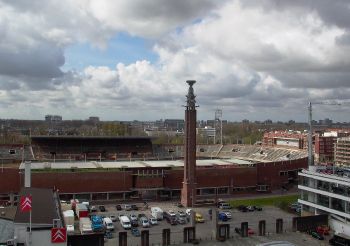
column 125, row 222
column 107, row 222
column 157, row 213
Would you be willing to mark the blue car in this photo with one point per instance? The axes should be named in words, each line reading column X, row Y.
column 222, row 217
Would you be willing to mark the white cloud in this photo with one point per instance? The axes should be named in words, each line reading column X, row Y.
column 255, row 60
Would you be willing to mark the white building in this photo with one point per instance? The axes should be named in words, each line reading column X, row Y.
column 326, row 191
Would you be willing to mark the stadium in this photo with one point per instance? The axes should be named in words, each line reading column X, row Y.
column 133, row 168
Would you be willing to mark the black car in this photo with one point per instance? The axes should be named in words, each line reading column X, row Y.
column 134, row 223
column 242, row 208
column 134, row 207
column 238, row 230
column 102, row 208
column 118, row 207
column 141, row 215
column 257, row 208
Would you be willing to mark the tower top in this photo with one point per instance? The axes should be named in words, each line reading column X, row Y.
column 191, row 98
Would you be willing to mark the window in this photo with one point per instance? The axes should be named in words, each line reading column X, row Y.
column 12, row 151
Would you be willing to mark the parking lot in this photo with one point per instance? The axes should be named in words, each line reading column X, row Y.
column 205, row 231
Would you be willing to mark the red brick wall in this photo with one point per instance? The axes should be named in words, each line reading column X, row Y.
column 269, row 173
column 236, row 177
column 9, row 180
column 148, row 182
column 83, row 181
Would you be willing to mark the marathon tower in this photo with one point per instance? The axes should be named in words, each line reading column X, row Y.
column 188, row 192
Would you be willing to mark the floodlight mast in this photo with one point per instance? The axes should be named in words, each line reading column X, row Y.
column 309, row 139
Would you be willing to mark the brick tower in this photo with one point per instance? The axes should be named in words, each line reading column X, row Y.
column 188, row 192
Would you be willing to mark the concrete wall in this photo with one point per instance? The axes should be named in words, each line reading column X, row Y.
column 339, row 227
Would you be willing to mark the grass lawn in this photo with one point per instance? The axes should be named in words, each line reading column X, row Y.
column 278, row 201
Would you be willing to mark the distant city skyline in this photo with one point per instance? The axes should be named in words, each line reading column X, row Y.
column 129, row 60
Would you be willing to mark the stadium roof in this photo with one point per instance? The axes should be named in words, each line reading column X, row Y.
column 135, row 164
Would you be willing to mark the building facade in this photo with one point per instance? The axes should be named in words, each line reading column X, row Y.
column 324, row 148
column 285, row 139
column 323, row 191
column 342, row 152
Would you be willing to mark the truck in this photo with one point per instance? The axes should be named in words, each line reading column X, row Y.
column 108, row 224
column 85, row 225
column 81, row 210
column 96, row 223
column 157, row 213
column 68, row 217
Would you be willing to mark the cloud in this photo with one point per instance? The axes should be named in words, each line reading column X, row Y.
column 253, row 58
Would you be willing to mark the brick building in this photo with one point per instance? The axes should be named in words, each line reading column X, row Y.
column 285, row 139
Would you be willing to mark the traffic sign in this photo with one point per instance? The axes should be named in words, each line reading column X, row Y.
column 26, row 203
column 58, row 235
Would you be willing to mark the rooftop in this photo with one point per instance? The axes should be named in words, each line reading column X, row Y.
column 134, row 164
column 44, row 207
column 6, row 230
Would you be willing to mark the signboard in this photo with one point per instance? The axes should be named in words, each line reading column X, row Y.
column 26, row 203
column 58, row 235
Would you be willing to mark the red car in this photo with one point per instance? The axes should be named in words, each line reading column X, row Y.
column 323, row 230
column 251, row 231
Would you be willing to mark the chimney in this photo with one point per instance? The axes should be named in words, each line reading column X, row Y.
column 27, row 174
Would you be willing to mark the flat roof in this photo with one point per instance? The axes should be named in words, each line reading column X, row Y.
column 135, row 164
column 43, row 207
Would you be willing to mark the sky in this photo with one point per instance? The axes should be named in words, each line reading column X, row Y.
column 129, row 60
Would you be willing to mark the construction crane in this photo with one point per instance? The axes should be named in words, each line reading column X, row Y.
column 309, row 139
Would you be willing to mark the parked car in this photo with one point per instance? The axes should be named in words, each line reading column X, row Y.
column 323, row 230
column 250, row 208
column 93, row 209
column 316, row 235
column 118, row 207
column 108, row 235
column 135, row 232
column 102, row 208
column 228, row 214
column 242, row 208
column 170, row 217
column 257, row 208
column 181, row 213
column 225, row 206
column 188, row 211
column 113, row 218
column 127, row 207
column 250, row 231
column 153, row 221
column 144, row 222
column 133, row 220
column 199, row 218
column 222, row 216
column 181, row 219
column 134, row 207
column 140, row 216
column 133, row 217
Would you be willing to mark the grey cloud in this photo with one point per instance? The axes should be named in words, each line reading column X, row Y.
column 322, row 80
column 43, row 62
